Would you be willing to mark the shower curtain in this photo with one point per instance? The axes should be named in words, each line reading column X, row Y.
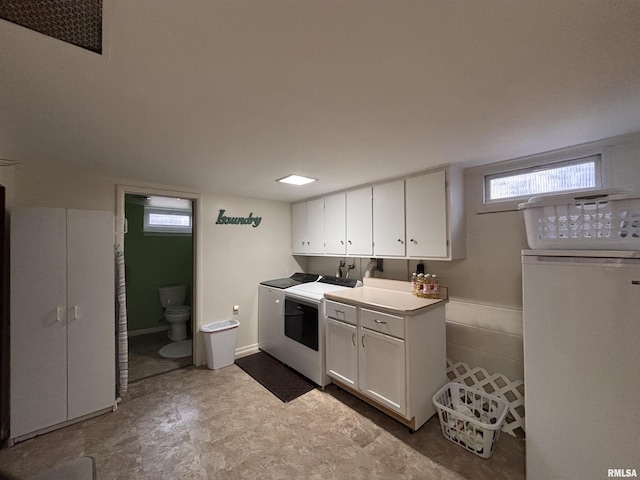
column 121, row 319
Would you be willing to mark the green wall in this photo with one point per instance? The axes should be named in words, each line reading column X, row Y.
column 152, row 261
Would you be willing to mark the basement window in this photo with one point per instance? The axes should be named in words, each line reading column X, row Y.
column 167, row 220
column 577, row 174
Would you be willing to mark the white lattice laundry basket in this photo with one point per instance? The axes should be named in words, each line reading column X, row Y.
column 470, row 418
column 583, row 221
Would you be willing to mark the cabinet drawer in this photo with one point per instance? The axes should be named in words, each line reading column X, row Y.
column 342, row 312
column 382, row 322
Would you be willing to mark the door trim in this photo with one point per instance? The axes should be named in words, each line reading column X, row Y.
column 196, row 198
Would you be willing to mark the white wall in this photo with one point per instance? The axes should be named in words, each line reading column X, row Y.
column 485, row 313
column 484, row 316
column 484, row 320
column 234, row 258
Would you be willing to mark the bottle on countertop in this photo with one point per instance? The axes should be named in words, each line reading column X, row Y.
column 414, row 279
column 420, row 285
column 435, row 287
column 427, row 285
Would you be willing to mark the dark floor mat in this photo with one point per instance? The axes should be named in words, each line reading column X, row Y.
column 275, row 376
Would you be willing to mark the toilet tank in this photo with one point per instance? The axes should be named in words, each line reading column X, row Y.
column 172, row 295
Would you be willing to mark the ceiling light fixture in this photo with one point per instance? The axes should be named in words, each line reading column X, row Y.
column 296, row 180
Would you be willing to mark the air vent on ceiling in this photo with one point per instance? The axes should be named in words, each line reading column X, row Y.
column 78, row 22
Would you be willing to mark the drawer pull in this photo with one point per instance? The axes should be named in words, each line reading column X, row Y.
column 635, row 282
column 379, row 321
column 353, row 338
column 340, row 311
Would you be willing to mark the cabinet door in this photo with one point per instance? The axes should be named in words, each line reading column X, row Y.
column 315, row 227
column 335, row 224
column 342, row 352
column 299, row 228
column 359, row 222
column 388, row 219
column 38, row 319
column 426, row 206
column 91, row 312
column 382, row 369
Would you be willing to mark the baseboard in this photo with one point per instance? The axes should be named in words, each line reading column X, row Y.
column 145, row 331
column 247, row 350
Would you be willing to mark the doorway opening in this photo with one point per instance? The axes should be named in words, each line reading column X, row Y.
column 160, row 258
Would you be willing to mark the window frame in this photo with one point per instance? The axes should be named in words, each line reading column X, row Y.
column 149, row 229
column 596, row 159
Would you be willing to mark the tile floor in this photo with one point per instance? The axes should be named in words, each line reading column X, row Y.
column 196, row 423
column 144, row 359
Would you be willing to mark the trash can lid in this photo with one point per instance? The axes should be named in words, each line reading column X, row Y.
column 219, row 326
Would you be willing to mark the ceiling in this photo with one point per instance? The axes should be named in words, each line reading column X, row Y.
column 228, row 95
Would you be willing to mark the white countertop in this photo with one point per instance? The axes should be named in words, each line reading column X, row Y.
column 388, row 296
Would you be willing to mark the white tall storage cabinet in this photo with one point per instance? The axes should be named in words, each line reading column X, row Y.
column 581, row 358
column 62, row 317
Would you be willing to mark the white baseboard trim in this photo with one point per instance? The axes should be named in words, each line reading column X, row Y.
column 247, row 350
column 144, row 331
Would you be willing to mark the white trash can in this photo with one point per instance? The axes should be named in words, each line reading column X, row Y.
column 220, row 343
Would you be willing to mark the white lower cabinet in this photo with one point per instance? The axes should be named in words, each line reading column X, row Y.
column 395, row 363
column 62, row 343
column 382, row 369
column 342, row 352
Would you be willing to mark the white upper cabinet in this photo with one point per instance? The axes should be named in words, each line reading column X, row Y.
column 359, row 222
column 307, row 227
column 435, row 215
column 315, row 227
column 335, row 236
column 388, row 219
column 427, row 216
column 419, row 217
column 299, row 228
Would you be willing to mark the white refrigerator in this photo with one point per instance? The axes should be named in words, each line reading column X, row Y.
column 581, row 363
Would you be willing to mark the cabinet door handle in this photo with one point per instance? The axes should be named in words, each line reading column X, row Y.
column 353, row 338
column 75, row 312
column 379, row 321
column 278, row 301
column 349, row 242
column 635, row 282
column 58, row 314
column 401, row 242
column 341, row 242
column 363, row 341
column 413, row 241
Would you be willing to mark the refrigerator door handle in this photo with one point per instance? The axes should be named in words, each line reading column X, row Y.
column 635, row 282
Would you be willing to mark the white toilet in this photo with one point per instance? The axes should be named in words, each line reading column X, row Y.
column 176, row 313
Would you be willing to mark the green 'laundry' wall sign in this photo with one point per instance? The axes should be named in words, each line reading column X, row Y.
column 250, row 220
